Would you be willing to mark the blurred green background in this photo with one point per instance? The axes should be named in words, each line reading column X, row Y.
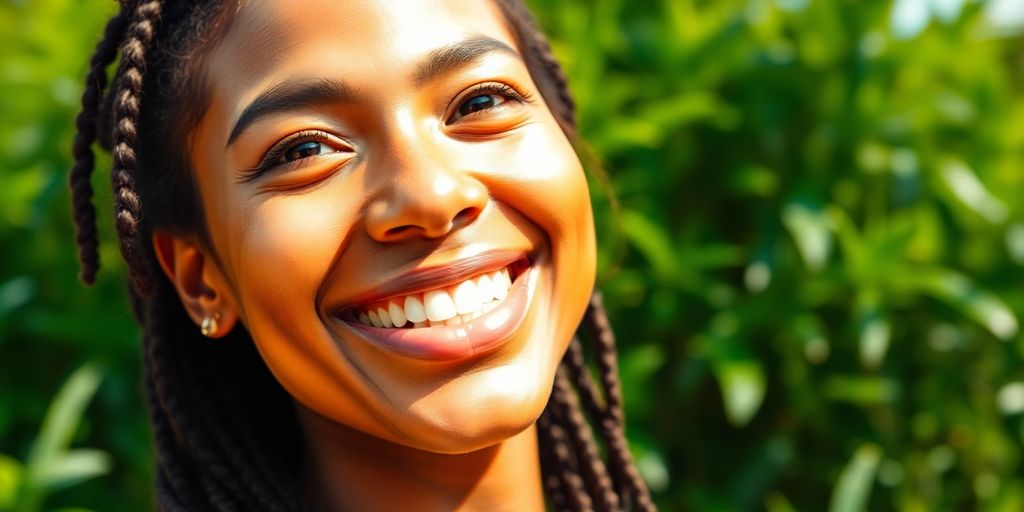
column 815, row 272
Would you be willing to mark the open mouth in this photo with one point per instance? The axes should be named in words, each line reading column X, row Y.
column 473, row 311
column 447, row 305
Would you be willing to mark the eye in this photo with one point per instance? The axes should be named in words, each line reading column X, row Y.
column 304, row 150
column 483, row 98
column 480, row 102
column 295, row 150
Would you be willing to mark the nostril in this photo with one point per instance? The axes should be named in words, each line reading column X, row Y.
column 461, row 219
column 465, row 216
column 398, row 231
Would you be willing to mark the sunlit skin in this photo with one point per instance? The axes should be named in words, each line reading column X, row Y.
column 394, row 173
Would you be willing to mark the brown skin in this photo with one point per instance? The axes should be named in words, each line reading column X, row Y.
column 403, row 181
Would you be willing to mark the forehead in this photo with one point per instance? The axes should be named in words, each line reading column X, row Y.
column 364, row 40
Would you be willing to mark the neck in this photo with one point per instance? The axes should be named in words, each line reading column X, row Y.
column 353, row 470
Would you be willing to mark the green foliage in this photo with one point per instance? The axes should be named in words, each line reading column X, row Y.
column 49, row 323
column 854, row 483
column 51, row 465
column 814, row 271
column 822, row 231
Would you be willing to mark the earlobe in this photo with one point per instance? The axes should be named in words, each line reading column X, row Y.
column 199, row 282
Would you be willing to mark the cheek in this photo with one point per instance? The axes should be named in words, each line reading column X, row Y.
column 287, row 246
column 547, row 184
column 560, row 204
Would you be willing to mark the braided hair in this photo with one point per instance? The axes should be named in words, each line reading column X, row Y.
column 226, row 434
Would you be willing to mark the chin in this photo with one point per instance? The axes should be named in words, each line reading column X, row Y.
column 500, row 404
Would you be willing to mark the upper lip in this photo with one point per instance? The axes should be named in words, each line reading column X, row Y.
column 439, row 276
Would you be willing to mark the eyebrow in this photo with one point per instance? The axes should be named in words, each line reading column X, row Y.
column 322, row 91
column 290, row 95
column 449, row 59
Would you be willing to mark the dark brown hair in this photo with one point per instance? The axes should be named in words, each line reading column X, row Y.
column 225, row 431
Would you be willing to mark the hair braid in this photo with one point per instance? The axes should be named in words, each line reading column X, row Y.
column 564, row 423
column 612, row 426
column 595, row 473
column 208, row 428
column 171, row 488
column 548, row 463
column 553, row 438
column 166, row 500
column 575, row 364
column 176, row 482
column 86, row 123
column 596, row 321
column 220, row 499
column 202, row 440
column 260, row 479
column 127, row 207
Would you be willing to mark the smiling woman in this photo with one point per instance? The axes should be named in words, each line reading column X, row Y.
column 378, row 206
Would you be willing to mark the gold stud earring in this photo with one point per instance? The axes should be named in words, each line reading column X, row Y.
column 209, row 325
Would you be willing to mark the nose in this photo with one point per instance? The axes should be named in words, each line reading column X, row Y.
column 424, row 198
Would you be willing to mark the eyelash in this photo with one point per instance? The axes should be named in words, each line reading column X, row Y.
column 510, row 93
column 271, row 159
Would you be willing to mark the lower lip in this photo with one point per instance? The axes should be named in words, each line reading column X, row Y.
column 459, row 342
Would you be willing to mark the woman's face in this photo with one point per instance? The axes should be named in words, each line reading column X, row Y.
column 362, row 156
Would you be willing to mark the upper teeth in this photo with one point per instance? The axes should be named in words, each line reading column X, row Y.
column 451, row 305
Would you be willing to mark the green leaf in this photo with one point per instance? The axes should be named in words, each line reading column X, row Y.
column 972, row 193
column 963, row 295
column 15, row 293
column 853, row 488
column 875, row 331
column 670, row 113
column 11, row 474
column 861, row 390
column 74, row 467
column 743, row 388
column 755, row 180
column 650, row 239
column 50, row 465
column 62, row 418
column 777, row 502
column 810, row 231
column 874, row 341
column 653, row 470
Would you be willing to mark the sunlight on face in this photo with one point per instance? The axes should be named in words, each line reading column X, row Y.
column 364, row 159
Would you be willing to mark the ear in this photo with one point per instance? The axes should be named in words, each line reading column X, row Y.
column 198, row 279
